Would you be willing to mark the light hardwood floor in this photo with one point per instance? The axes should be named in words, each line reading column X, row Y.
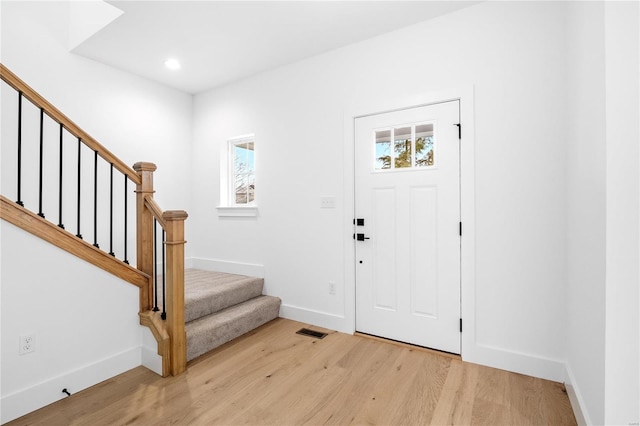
column 274, row 376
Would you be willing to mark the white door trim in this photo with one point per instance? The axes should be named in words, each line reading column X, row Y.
column 467, row 199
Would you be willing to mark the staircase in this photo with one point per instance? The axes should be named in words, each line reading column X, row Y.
column 220, row 307
column 201, row 310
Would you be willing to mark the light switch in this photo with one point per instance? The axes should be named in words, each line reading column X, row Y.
column 327, row 202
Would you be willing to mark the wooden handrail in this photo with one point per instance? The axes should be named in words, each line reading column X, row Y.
column 36, row 225
column 14, row 81
column 155, row 210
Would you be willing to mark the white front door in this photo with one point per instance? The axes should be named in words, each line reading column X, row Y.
column 407, row 203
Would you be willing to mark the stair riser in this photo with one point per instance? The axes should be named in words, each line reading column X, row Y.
column 225, row 296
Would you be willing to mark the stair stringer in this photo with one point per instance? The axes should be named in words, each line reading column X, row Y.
column 158, row 328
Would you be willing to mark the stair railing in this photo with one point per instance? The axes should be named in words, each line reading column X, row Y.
column 168, row 327
column 84, row 142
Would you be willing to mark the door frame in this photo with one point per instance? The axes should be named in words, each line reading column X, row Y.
column 467, row 199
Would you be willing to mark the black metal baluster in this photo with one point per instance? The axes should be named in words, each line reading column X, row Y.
column 126, row 181
column 95, row 200
column 79, row 235
column 111, row 211
column 60, row 224
column 164, row 274
column 155, row 265
column 19, row 200
column 40, row 213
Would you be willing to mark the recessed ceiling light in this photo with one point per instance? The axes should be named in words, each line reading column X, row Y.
column 172, row 64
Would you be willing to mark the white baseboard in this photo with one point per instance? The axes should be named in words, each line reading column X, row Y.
column 29, row 399
column 517, row 362
column 577, row 403
column 318, row 318
column 151, row 360
column 188, row 263
column 227, row 266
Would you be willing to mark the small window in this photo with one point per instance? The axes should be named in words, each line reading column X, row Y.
column 242, row 171
column 412, row 147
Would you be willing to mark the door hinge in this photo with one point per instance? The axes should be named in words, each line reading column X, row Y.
column 460, row 228
column 459, row 130
column 460, row 325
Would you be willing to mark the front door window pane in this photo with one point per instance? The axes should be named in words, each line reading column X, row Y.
column 383, row 149
column 402, row 147
column 424, row 145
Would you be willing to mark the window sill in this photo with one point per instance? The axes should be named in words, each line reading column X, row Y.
column 238, row 211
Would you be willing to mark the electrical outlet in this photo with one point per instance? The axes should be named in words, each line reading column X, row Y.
column 27, row 344
column 327, row 202
column 332, row 288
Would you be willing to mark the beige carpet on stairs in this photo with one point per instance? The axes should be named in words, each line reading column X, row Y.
column 220, row 307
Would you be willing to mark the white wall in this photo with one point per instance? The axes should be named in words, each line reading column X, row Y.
column 513, row 55
column 86, row 323
column 602, row 209
column 138, row 121
column 603, row 240
column 622, row 351
column 586, row 206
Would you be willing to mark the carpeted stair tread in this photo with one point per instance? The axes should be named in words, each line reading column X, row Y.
column 207, row 292
column 209, row 332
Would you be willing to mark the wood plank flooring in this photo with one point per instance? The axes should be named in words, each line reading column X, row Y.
column 273, row 376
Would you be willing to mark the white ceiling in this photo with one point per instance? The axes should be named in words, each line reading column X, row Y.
column 218, row 42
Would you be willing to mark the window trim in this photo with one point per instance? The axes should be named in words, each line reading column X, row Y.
column 237, row 211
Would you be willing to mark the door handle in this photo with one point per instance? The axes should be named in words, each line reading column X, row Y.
column 360, row 237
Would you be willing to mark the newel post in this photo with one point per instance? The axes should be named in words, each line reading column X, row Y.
column 174, row 220
column 144, row 230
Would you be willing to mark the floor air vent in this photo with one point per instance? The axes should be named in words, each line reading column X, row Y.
column 311, row 333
